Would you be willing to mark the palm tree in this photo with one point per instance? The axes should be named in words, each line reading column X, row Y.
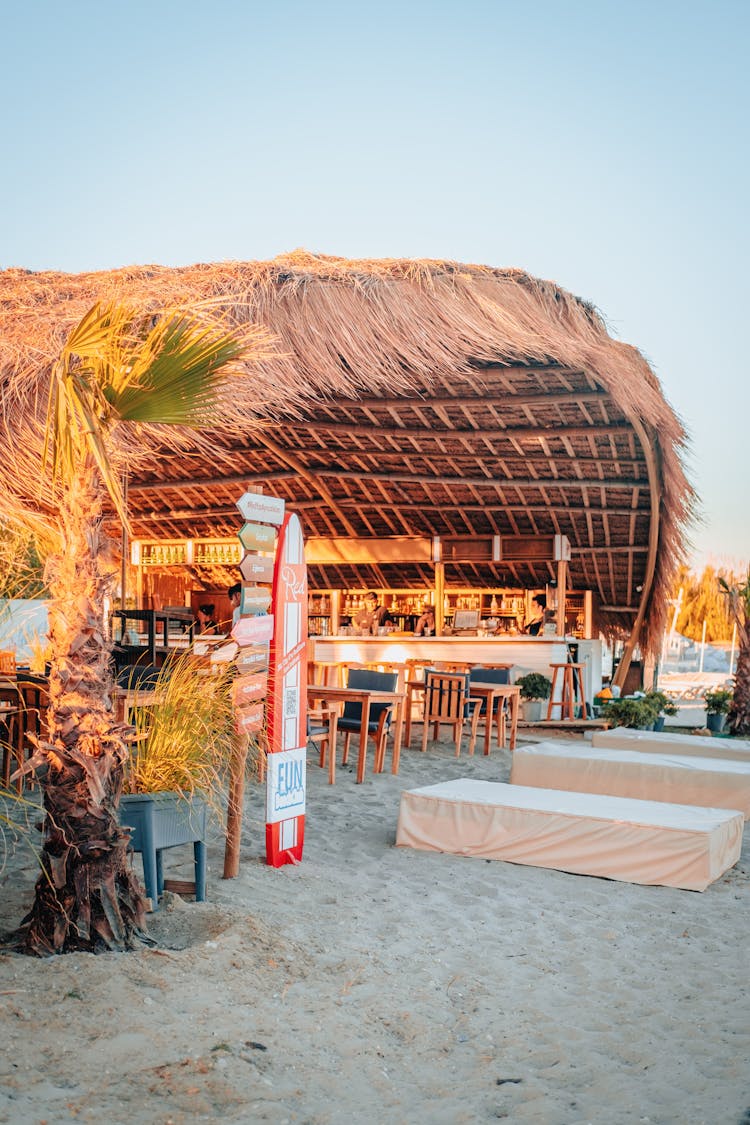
column 739, row 607
column 114, row 376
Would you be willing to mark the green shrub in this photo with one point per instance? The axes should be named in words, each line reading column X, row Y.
column 534, row 686
column 718, row 702
column 634, row 713
column 660, row 703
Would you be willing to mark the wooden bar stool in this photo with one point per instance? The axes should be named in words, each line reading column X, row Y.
column 571, row 683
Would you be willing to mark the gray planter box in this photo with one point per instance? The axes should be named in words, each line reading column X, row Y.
column 533, row 710
column 165, row 820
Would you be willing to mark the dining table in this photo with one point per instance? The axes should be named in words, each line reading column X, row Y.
column 365, row 697
column 492, row 693
column 126, row 700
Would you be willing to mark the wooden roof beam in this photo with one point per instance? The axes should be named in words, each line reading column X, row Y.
column 455, row 434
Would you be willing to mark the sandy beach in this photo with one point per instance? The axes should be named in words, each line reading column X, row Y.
column 380, row 984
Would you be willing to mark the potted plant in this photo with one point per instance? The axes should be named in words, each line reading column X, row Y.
column 535, row 688
column 631, row 712
column 718, row 704
column 661, row 705
column 178, row 765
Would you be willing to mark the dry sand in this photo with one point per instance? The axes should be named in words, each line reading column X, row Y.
column 379, row 984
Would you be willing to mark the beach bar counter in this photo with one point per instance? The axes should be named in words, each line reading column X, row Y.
column 522, row 654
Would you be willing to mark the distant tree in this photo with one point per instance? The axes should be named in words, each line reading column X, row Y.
column 702, row 601
column 22, row 557
column 737, row 595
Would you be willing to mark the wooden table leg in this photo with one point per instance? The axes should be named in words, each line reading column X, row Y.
column 490, row 706
column 332, row 730
column 397, row 735
column 514, row 706
column 364, row 735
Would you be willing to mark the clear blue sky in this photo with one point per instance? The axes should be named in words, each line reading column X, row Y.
column 601, row 144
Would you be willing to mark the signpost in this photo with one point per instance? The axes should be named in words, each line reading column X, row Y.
column 287, row 701
column 270, row 688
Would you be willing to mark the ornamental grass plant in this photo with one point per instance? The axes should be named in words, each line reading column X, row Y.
column 184, row 740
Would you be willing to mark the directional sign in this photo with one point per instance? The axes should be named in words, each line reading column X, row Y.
column 250, row 719
column 253, row 630
column 252, row 658
column 255, row 599
column 249, row 688
column 256, row 506
column 257, row 568
column 257, row 537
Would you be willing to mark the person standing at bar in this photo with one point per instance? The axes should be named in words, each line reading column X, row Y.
column 372, row 615
column 535, row 625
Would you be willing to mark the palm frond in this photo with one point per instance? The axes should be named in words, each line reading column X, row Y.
column 109, row 373
column 174, row 375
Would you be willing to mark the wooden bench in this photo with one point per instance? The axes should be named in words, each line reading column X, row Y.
column 644, row 842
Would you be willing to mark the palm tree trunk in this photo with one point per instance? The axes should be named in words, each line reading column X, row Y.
column 87, row 897
column 739, row 714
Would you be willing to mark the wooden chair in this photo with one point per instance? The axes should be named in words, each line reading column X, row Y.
column 487, row 674
column 7, row 663
column 322, row 728
column 27, row 702
column 379, row 719
column 447, row 700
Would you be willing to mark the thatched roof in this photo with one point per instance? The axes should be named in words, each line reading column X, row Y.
column 403, row 398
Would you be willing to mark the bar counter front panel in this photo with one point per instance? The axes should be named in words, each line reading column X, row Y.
column 525, row 654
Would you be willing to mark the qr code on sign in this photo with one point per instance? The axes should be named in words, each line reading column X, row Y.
column 291, row 703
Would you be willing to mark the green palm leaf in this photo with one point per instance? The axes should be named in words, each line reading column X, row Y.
column 175, row 376
column 108, row 373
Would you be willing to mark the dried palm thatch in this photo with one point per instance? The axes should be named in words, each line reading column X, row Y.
column 397, row 398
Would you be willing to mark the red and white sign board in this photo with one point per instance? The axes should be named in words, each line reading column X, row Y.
column 287, row 697
column 253, row 630
column 265, row 509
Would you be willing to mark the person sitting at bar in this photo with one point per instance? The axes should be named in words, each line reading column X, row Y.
column 425, row 626
column 207, row 623
column 372, row 616
column 535, row 624
column 234, row 593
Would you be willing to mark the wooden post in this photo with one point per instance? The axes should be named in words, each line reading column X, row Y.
column 235, row 805
column 562, row 578
column 125, row 546
column 439, row 598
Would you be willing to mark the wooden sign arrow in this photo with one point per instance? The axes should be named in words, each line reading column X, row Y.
column 253, row 630
column 256, row 506
column 257, row 568
column 255, row 599
column 252, row 658
column 249, row 688
column 257, row 537
column 249, row 719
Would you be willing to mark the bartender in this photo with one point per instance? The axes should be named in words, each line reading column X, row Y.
column 372, row 615
column 535, row 624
